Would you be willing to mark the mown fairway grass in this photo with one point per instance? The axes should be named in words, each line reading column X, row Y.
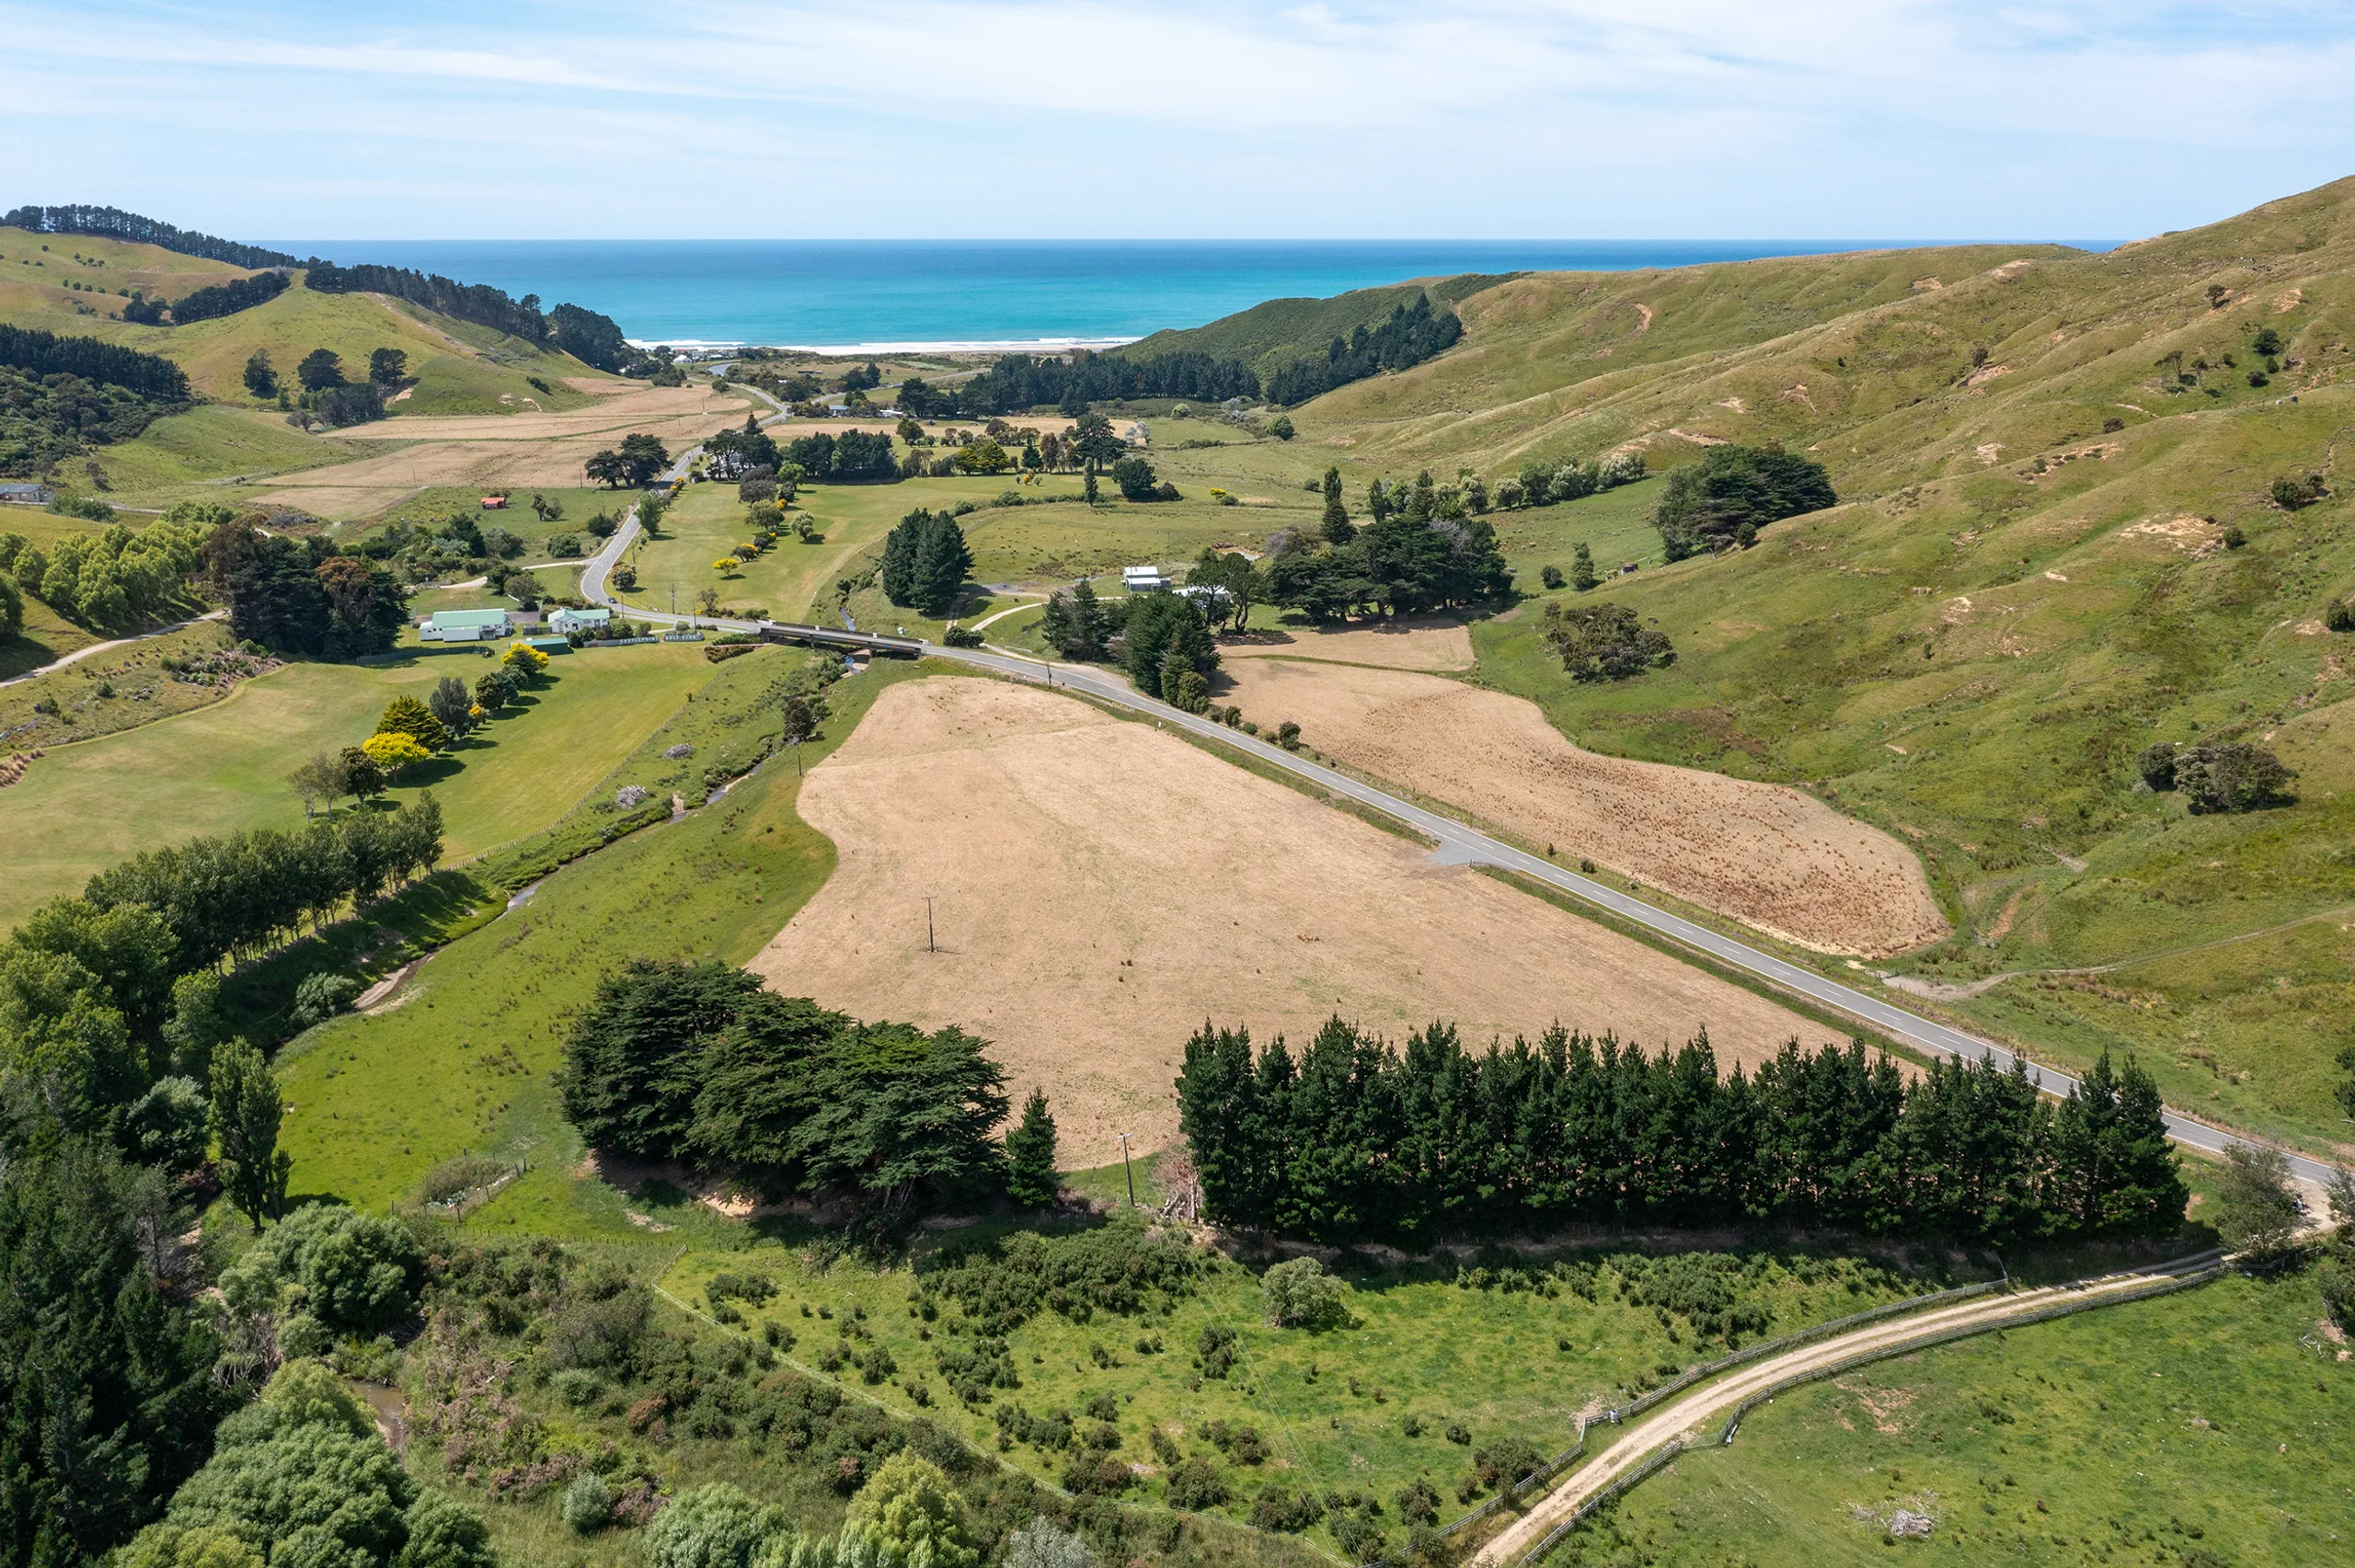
column 2192, row 1429
column 222, row 767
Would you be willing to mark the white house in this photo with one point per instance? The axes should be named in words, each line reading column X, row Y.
column 1144, row 579
column 565, row 622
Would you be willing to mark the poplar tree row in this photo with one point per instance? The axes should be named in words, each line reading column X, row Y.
column 1356, row 1140
column 238, row 894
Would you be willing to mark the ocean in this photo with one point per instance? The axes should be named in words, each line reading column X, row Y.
column 872, row 295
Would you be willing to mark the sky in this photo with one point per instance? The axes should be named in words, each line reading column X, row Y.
column 1178, row 118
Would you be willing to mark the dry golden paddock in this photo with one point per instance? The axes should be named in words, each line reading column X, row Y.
column 506, row 451
column 1773, row 857
column 1100, row 888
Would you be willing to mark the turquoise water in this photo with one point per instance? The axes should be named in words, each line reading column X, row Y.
column 869, row 293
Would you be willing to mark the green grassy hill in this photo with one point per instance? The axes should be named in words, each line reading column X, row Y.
column 459, row 368
column 2028, row 580
column 1275, row 331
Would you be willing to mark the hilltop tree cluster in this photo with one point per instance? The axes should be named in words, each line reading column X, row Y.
column 1017, row 382
column 699, row 1063
column 1421, row 551
column 1603, row 642
column 60, row 396
column 206, row 303
column 297, row 596
column 1357, row 1139
column 1412, row 334
column 1730, row 492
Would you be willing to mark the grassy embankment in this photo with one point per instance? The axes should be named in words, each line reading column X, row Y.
column 2195, row 1429
column 2030, row 582
column 462, row 1062
column 223, row 766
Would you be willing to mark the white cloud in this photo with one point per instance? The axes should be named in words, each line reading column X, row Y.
column 1617, row 116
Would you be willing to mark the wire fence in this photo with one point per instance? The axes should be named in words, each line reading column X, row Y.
column 1660, row 1457
column 1508, row 1495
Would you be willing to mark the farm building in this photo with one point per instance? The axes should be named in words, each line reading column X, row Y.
column 494, row 503
column 27, row 494
column 548, row 644
column 562, row 622
column 463, row 626
column 1144, row 579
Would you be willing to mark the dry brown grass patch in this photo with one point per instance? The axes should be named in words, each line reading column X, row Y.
column 1771, row 857
column 1100, row 888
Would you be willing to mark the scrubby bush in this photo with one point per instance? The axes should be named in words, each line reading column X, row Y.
column 1197, row 1484
column 588, row 1505
column 358, row 1273
column 2293, row 492
column 1279, row 1507
column 1040, row 1544
column 1299, row 1294
column 320, row 997
column 2156, row 764
column 715, row 1526
column 2230, row 777
column 1506, row 1462
column 1551, row 575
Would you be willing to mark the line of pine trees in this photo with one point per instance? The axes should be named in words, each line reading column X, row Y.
column 46, row 354
column 1356, row 1140
column 1411, row 334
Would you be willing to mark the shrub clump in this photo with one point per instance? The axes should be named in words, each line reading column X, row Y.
column 1299, row 1294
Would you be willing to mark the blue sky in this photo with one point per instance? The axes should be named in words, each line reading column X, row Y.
column 1671, row 119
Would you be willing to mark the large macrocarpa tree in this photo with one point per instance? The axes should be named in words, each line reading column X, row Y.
column 700, row 1063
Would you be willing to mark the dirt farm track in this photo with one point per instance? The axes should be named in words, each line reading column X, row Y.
column 1100, row 888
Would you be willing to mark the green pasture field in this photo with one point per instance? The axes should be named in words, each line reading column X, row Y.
column 222, row 767
column 464, row 1062
column 2199, row 1428
column 1332, row 1405
column 1982, row 681
column 1616, row 526
column 435, row 504
column 208, row 454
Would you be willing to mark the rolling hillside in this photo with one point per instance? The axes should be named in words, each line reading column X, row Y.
column 1275, row 331
column 2033, row 577
column 460, row 368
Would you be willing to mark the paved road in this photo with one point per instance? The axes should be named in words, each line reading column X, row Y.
column 1460, row 845
column 1715, row 1399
